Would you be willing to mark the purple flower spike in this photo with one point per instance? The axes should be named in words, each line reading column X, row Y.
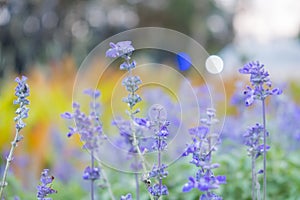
column 201, row 151
column 22, row 92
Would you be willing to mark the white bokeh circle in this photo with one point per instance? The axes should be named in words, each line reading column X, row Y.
column 214, row 64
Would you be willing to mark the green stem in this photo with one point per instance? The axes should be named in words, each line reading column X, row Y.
column 137, row 186
column 135, row 141
column 8, row 161
column 92, row 181
column 253, row 177
column 104, row 175
column 265, row 152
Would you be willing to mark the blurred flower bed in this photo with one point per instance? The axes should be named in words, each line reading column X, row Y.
column 46, row 144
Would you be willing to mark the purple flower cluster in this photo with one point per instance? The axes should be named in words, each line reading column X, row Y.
column 158, row 190
column 22, row 92
column 158, row 172
column 91, row 173
column 126, row 197
column 44, row 189
column 254, row 140
column 201, row 149
column 126, row 129
column 120, row 49
column 260, row 81
column 161, row 136
column 131, row 83
column 89, row 126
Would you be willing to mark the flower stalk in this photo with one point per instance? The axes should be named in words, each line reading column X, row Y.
column 89, row 127
column 260, row 89
column 22, row 92
column 124, row 50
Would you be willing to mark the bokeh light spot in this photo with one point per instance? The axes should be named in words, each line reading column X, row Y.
column 214, row 64
column 183, row 61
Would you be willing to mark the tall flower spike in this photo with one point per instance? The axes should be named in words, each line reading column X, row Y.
column 22, row 92
column 44, row 189
column 159, row 125
column 201, row 149
column 124, row 49
column 89, row 128
column 261, row 88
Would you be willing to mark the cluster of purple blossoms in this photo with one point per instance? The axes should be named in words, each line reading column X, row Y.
column 44, row 189
column 201, row 148
column 160, row 137
column 260, row 81
column 91, row 174
column 253, row 140
column 22, row 92
column 120, row 49
column 126, row 129
column 158, row 189
column 129, row 130
column 89, row 128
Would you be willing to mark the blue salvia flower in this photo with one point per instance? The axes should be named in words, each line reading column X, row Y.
column 89, row 128
column 120, row 49
column 124, row 50
column 44, row 189
column 253, row 140
column 91, row 174
column 201, row 149
column 160, row 137
column 260, row 81
column 126, row 129
column 158, row 190
column 160, row 127
column 22, row 92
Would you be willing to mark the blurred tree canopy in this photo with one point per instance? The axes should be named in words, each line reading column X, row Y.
column 35, row 31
